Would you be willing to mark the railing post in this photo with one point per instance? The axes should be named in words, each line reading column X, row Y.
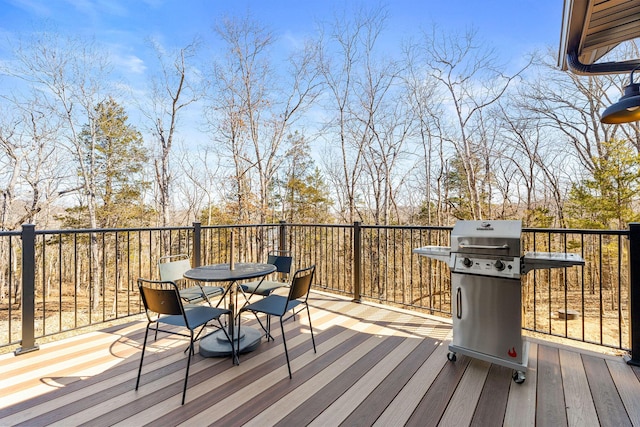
column 634, row 292
column 197, row 244
column 28, row 289
column 357, row 262
column 282, row 236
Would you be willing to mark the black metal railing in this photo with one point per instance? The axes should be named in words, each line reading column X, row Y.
column 53, row 281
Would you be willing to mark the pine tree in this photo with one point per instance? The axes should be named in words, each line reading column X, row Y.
column 606, row 200
column 300, row 193
column 117, row 157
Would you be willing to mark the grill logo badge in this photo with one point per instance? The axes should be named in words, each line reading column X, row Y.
column 485, row 226
column 512, row 352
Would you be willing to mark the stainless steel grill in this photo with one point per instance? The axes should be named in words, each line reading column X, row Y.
column 486, row 293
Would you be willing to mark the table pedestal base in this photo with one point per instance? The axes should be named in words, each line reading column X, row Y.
column 217, row 345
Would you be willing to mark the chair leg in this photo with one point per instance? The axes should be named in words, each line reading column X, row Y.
column 155, row 338
column 186, row 376
column 286, row 353
column 261, row 325
column 235, row 352
column 267, row 330
column 239, row 335
column 144, row 345
column 200, row 332
column 223, row 299
column 246, row 298
column 311, row 329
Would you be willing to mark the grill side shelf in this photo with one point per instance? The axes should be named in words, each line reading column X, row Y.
column 441, row 253
column 542, row 260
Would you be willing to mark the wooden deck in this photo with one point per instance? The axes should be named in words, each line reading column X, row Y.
column 374, row 366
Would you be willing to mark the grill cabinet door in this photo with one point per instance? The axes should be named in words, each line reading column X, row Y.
column 487, row 315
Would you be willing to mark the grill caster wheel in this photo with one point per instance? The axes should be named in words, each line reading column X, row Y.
column 518, row 377
column 451, row 356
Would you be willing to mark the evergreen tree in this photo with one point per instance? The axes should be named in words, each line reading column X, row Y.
column 117, row 158
column 300, row 193
column 606, row 200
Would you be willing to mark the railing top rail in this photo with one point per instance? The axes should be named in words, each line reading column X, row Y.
column 108, row 230
column 322, row 225
column 274, row 224
column 278, row 224
column 576, row 231
column 412, row 227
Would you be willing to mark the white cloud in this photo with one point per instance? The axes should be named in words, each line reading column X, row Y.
column 296, row 41
column 128, row 64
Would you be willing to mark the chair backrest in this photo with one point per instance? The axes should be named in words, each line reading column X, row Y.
column 160, row 297
column 173, row 267
column 301, row 283
column 281, row 259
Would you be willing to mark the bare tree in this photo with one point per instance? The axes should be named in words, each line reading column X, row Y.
column 253, row 108
column 570, row 106
column 69, row 76
column 381, row 123
column 343, row 56
column 470, row 82
column 200, row 186
column 536, row 157
column 30, row 146
column 566, row 108
column 425, row 108
column 175, row 87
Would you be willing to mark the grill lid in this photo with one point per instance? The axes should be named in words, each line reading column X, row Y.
column 500, row 237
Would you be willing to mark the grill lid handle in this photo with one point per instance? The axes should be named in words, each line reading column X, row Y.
column 465, row 246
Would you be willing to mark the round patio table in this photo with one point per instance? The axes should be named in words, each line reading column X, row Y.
column 216, row 344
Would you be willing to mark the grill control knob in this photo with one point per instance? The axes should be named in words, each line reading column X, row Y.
column 499, row 265
column 467, row 262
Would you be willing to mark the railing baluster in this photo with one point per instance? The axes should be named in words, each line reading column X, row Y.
column 357, row 264
column 634, row 292
column 197, row 244
column 28, row 289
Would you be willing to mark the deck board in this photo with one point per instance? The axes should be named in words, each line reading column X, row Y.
column 463, row 403
column 521, row 404
column 611, row 411
column 627, row 385
column 374, row 366
column 331, row 385
column 550, row 407
column 402, row 407
column 435, row 401
column 270, row 394
column 377, row 401
column 339, row 410
column 492, row 403
column 580, row 408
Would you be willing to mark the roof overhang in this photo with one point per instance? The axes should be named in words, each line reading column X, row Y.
column 591, row 29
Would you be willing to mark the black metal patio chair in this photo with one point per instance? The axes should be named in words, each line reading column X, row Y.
column 163, row 305
column 173, row 267
column 265, row 286
column 278, row 305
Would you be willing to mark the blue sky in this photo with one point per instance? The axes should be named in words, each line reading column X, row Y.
column 513, row 27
